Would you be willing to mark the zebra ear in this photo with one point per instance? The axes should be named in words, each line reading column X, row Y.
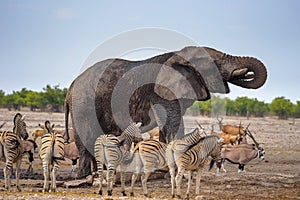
column 23, row 118
column 17, row 117
column 138, row 124
column 53, row 126
column 47, row 126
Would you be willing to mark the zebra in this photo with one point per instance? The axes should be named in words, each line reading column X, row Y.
column 114, row 151
column 191, row 160
column 189, row 139
column 51, row 153
column 11, row 149
column 149, row 154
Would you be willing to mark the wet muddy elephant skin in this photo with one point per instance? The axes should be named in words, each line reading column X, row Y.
column 157, row 91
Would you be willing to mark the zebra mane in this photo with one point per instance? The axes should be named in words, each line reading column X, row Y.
column 190, row 133
column 203, row 141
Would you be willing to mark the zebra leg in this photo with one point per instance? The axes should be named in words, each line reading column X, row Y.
column 53, row 177
column 100, row 173
column 178, row 181
column 172, row 174
column 136, row 173
column 189, row 184
column 122, row 181
column 18, row 164
column 46, row 177
column 7, row 172
column 198, row 179
column 110, row 175
column 144, row 179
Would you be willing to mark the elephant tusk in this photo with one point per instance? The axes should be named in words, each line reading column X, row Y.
column 239, row 72
column 249, row 76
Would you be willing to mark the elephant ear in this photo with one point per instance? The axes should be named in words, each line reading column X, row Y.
column 180, row 81
column 190, row 73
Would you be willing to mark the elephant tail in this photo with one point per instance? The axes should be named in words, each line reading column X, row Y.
column 67, row 111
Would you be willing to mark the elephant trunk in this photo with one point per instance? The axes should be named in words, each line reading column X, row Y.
column 250, row 74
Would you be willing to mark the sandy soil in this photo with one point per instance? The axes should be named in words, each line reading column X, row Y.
column 276, row 177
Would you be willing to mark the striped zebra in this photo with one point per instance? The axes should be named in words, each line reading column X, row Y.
column 114, row 151
column 51, row 153
column 11, row 149
column 184, row 143
column 150, row 155
column 192, row 160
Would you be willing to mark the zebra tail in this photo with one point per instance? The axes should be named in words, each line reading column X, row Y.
column 170, row 155
column 211, row 164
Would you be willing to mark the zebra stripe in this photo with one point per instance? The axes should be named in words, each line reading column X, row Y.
column 193, row 159
column 51, row 152
column 11, row 149
column 150, row 155
column 192, row 138
column 114, row 151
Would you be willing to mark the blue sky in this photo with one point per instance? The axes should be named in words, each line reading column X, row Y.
column 47, row 42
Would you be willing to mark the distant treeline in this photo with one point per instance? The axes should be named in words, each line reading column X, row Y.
column 51, row 98
column 247, row 107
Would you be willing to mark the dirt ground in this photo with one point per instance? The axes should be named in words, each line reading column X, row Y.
column 276, row 177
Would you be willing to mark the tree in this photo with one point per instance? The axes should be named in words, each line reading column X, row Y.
column 54, row 97
column 281, row 107
column 34, row 100
column 2, row 95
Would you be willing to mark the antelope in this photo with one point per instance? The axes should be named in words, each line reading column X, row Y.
column 71, row 152
column 232, row 134
column 241, row 154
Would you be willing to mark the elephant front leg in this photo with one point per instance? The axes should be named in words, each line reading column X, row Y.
column 168, row 116
column 85, row 160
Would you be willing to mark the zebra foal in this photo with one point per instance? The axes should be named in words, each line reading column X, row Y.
column 51, row 153
column 113, row 151
column 193, row 159
column 11, row 149
column 150, row 155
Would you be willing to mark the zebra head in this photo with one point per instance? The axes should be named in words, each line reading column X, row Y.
column 20, row 126
column 134, row 132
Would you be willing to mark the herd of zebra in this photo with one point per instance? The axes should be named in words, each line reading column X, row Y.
column 190, row 153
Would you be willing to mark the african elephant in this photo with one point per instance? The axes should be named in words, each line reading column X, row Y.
column 106, row 97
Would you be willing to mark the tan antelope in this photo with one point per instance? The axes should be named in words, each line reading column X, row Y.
column 241, row 154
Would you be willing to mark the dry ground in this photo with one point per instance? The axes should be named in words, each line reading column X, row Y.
column 277, row 177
